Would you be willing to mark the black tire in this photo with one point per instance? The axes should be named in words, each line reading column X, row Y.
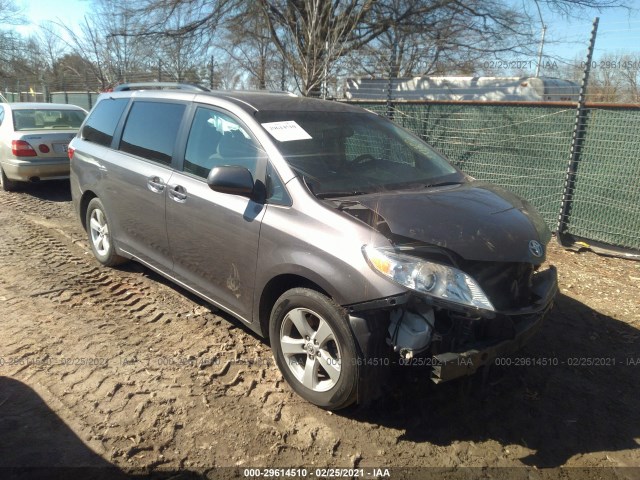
column 6, row 184
column 101, row 241
column 333, row 361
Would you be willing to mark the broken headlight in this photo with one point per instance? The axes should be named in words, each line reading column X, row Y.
column 434, row 279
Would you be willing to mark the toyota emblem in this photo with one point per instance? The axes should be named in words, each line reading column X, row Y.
column 535, row 248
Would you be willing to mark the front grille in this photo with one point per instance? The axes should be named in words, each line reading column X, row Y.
column 457, row 333
column 508, row 285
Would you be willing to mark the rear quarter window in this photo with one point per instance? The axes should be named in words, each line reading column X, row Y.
column 103, row 120
column 151, row 130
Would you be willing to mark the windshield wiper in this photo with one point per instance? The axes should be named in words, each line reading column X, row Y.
column 442, row 184
column 352, row 193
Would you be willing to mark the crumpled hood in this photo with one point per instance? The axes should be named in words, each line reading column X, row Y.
column 477, row 220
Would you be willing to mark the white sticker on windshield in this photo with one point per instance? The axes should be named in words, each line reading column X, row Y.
column 286, row 131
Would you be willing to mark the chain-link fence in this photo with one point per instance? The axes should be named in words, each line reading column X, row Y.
column 605, row 203
column 526, row 148
column 82, row 99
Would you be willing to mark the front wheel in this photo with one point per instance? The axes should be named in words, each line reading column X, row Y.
column 314, row 348
column 99, row 233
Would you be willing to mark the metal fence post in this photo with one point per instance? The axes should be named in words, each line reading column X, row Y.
column 389, row 101
column 392, row 70
column 66, row 94
column 577, row 139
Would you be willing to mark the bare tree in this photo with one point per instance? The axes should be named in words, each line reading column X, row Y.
column 312, row 35
column 123, row 53
column 444, row 38
column 89, row 45
column 251, row 47
column 630, row 74
column 412, row 36
column 182, row 54
column 614, row 77
column 279, row 43
column 572, row 8
column 615, row 80
column 229, row 77
column 106, row 42
column 197, row 16
column 51, row 45
column 179, row 33
column 10, row 13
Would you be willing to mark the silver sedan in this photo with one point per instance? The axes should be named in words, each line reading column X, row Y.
column 33, row 141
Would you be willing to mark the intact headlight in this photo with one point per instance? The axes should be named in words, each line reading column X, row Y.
column 430, row 278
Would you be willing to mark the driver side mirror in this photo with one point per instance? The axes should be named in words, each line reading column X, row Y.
column 231, row 179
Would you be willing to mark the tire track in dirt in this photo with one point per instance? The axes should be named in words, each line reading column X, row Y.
column 26, row 202
column 202, row 359
column 67, row 279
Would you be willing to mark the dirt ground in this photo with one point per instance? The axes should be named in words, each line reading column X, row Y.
column 117, row 367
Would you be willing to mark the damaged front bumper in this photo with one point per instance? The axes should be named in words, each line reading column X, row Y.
column 366, row 319
column 450, row 365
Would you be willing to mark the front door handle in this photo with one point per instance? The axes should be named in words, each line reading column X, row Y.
column 178, row 193
column 155, row 184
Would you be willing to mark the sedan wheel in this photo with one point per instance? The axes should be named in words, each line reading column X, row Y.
column 314, row 348
column 6, row 184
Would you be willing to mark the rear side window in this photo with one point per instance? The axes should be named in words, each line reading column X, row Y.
column 103, row 120
column 151, row 130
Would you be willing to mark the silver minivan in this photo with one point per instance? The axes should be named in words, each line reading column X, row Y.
column 347, row 241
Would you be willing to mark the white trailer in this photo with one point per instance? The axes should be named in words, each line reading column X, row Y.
column 497, row 89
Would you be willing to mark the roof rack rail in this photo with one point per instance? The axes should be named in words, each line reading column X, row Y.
column 125, row 87
column 278, row 92
column 282, row 92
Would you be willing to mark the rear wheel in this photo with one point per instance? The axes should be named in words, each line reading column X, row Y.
column 100, row 235
column 314, row 348
column 6, row 184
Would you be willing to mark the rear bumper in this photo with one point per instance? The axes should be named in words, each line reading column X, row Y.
column 29, row 170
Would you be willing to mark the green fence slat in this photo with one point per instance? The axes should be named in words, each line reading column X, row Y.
column 606, row 200
column 526, row 148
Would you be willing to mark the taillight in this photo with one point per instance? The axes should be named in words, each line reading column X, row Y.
column 43, row 148
column 70, row 152
column 20, row 148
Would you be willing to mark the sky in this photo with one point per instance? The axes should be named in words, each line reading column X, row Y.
column 618, row 30
column 67, row 12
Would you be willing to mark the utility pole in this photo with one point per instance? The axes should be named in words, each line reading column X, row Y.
column 326, row 63
column 211, row 73
column 544, row 31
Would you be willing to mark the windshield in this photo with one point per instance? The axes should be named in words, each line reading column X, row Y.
column 40, row 119
column 347, row 153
